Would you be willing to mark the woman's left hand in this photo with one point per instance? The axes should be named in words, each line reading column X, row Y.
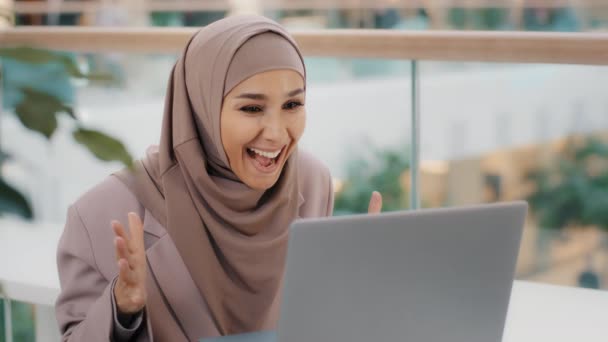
column 375, row 203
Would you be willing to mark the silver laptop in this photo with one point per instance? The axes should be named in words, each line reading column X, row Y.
column 439, row 275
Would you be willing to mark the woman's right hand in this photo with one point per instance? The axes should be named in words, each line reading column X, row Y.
column 130, row 288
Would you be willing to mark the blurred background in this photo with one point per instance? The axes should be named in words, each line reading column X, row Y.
column 489, row 131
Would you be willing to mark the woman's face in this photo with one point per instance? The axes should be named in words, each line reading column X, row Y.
column 262, row 120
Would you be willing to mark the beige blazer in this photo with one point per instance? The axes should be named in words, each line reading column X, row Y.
column 87, row 266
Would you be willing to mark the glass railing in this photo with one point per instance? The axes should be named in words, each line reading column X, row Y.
column 485, row 131
column 536, row 132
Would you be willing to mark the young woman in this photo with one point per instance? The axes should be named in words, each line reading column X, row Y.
column 208, row 209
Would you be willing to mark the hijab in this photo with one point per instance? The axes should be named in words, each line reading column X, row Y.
column 232, row 238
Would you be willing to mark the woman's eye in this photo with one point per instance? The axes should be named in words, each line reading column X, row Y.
column 251, row 109
column 292, row 105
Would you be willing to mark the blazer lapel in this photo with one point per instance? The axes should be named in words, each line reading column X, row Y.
column 176, row 284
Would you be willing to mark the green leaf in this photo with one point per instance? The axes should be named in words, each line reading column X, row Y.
column 69, row 111
column 37, row 117
column 40, row 56
column 101, row 77
column 30, row 55
column 37, row 111
column 103, row 146
column 12, row 201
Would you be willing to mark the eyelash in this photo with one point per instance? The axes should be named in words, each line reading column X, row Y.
column 257, row 109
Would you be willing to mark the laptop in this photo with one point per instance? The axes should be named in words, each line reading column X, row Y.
column 430, row 275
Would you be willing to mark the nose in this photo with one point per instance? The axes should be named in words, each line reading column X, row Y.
column 273, row 127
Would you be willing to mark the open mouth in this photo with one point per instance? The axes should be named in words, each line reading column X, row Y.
column 265, row 161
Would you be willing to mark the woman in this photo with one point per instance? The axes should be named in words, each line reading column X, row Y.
column 215, row 199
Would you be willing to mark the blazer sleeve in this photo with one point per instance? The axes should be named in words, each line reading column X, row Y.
column 85, row 310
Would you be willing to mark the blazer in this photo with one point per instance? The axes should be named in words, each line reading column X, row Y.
column 86, row 309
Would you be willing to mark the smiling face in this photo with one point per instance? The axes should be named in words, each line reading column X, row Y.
column 262, row 120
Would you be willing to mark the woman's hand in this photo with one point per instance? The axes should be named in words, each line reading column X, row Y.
column 130, row 287
column 375, row 203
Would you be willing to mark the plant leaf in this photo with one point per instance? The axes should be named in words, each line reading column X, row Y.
column 37, row 111
column 40, row 56
column 12, row 201
column 30, row 55
column 105, row 77
column 103, row 146
column 69, row 111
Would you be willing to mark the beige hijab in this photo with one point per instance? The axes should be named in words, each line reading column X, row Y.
column 232, row 238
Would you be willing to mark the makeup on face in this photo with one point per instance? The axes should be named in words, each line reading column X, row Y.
column 262, row 120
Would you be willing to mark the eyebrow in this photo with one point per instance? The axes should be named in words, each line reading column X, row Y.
column 295, row 92
column 264, row 97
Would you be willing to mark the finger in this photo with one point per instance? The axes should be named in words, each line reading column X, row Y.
column 119, row 230
column 125, row 273
column 137, row 231
column 375, row 203
column 116, row 251
column 122, row 252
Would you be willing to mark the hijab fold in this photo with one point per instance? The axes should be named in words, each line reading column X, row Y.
column 232, row 238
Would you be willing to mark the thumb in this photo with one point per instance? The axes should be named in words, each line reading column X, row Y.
column 375, row 203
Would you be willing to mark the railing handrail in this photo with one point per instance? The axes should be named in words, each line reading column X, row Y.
column 42, row 7
column 478, row 46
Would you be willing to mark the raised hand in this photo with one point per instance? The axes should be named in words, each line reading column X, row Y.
column 130, row 288
column 375, row 203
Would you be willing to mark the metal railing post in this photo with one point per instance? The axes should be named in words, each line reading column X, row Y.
column 415, row 140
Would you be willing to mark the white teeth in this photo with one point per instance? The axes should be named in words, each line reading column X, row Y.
column 271, row 155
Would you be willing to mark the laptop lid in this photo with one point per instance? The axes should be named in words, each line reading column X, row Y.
column 428, row 275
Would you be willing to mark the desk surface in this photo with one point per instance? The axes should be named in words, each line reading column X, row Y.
column 537, row 312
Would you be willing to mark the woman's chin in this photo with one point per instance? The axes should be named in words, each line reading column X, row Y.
column 261, row 180
column 260, row 184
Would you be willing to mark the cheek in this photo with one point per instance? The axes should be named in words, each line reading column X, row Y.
column 297, row 125
column 236, row 133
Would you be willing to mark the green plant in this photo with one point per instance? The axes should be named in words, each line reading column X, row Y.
column 38, row 104
column 381, row 171
column 573, row 192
